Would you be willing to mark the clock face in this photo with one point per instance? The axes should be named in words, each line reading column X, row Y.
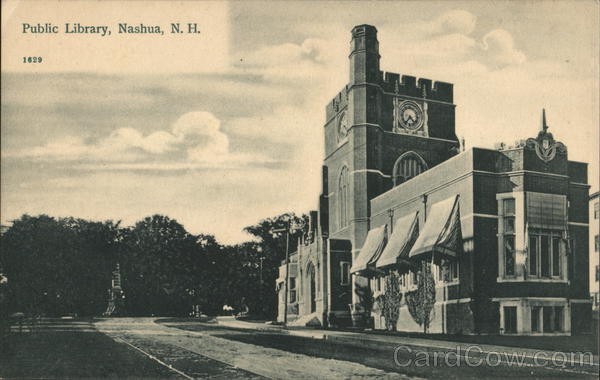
column 343, row 127
column 410, row 115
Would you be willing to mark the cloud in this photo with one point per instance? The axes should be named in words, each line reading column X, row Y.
column 313, row 50
column 449, row 39
column 499, row 49
column 209, row 143
column 124, row 139
column 312, row 61
column 195, row 140
column 496, row 50
column 259, row 151
column 456, row 21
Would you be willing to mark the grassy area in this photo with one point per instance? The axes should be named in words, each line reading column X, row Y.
column 55, row 354
column 579, row 343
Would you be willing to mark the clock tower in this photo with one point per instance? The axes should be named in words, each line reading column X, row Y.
column 381, row 130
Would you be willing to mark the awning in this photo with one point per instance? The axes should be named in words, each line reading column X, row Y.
column 547, row 211
column 404, row 235
column 441, row 233
column 370, row 251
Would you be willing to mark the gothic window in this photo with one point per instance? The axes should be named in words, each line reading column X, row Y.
column 510, row 319
column 546, row 219
column 292, row 290
column 544, row 253
column 446, row 272
column 531, row 236
column 344, row 273
column 343, row 198
column 409, row 165
column 547, row 317
column 535, row 318
column 508, row 222
column 552, row 319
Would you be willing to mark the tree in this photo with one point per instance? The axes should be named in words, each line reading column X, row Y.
column 420, row 301
column 273, row 249
column 163, row 267
column 58, row 266
column 389, row 301
column 234, row 278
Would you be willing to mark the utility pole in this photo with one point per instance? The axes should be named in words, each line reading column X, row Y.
column 287, row 273
column 260, row 293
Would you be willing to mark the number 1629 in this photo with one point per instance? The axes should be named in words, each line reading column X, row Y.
column 32, row 59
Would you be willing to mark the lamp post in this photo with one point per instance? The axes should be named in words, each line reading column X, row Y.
column 287, row 274
column 260, row 290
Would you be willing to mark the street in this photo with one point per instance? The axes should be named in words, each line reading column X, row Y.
column 158, row 340
column 171, row 348
column 397, row 358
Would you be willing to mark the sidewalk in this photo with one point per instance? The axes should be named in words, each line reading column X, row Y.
column 465, row 350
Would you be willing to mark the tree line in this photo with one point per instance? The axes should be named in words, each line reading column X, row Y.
column 60, row 266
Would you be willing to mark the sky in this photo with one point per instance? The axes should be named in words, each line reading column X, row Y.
column 223, row 129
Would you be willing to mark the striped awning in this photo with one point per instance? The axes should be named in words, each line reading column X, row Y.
column 546, row 210
column 441, row 234
column 403, row 237
column 370, row 252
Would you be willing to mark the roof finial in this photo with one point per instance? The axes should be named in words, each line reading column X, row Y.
column 544, row 125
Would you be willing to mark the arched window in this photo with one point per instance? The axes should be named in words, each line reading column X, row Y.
column 408, row 165
column 343, row 198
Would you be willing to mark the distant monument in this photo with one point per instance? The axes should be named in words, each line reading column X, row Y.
column 115, row 294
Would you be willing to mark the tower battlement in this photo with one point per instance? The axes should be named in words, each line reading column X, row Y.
column 337, row 103
column 377, row 95
column 395, row 83
column 416, row 87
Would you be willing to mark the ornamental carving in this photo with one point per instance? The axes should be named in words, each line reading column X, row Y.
column 544, row 144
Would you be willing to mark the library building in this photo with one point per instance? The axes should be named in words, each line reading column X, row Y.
column 414, row 232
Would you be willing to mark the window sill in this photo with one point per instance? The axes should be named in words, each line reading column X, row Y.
column 523, row 333
column 445, row 284
column 556, row 333
column 558, row 280
column 529, row 279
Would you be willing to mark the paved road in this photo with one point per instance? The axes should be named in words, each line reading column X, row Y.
column 427, row 361
column 125, row 347
column 182, row 350
column 59, row 349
